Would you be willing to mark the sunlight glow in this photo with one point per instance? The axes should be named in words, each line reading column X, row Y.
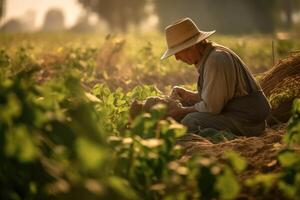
column 38, row 8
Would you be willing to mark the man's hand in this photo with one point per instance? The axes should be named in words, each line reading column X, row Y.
column 179, row 93
column 176, row 114
column 186, row 97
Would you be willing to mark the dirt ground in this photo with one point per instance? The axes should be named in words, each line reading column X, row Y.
column 260, row 152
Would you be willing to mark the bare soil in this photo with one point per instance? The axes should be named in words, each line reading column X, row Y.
column 260, row 152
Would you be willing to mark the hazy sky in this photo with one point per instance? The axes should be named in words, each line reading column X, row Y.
column 18, row 8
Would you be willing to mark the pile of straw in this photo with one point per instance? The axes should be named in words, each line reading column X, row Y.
column 281, row 84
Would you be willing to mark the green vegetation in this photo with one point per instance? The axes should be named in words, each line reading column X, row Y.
column 65, row 131
column 287, row 180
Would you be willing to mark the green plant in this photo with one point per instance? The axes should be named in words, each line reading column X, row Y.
column 287, row 180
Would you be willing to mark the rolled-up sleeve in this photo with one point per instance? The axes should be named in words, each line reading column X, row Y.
column 219, row 82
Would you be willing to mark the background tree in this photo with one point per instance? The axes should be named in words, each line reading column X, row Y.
column 288, row 8
column 54, row 20
column 227, row 16
column 2, row 5
column 84, row 25
column 169, row 11
column 265, row 14
column 119, row 14
column 13, row 26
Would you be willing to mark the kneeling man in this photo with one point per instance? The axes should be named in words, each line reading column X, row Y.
column 228, row 97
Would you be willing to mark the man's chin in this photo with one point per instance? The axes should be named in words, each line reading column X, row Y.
column 188, row 62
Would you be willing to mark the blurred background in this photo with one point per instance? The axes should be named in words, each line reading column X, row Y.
column 225, row 16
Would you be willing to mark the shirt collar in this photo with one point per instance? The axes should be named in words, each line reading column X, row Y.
column 205, row 54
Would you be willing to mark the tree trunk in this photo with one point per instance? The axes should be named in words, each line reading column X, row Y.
column 288, row 12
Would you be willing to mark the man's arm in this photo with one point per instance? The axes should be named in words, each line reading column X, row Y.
column 179, row 113
column 219, row 83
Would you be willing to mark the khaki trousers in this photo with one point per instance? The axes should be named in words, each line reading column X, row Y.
column 196, row 121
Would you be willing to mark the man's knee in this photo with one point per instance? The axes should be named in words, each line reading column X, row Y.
column 196, row 121
column 190, row 122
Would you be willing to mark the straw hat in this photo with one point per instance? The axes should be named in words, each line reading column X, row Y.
column 183, row 34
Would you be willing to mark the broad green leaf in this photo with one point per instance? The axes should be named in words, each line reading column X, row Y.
column 11, row 109
column 288, row 158
column 122, row 187
column 178, row 129
column 227, row 185
column 296, row 106
column 92, row 98
column 158, row 110
column 293, row 136
column 267, row 180
column 91, row 155
column 152, row 143
column 237, row 162
column 19, row 143
column 289, row 190
column 110, row 99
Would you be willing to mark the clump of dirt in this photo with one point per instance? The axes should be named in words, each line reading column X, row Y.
column 137, row 107
column 281, row 84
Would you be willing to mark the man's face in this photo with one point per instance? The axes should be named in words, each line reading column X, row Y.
column 190, row 56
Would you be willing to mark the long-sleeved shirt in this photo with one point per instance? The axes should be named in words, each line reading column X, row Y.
column 224, row 78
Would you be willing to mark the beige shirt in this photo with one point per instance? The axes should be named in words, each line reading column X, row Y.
column 223, row 80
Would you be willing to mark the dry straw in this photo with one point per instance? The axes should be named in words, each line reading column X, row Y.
column 281, row 86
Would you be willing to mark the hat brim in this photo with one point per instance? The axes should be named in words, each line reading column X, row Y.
column 194, row 40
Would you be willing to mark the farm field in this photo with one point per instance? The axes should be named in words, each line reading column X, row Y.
column 65, row 130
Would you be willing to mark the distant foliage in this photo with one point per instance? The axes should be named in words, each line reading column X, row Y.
column 54, row 20
column 119, row 14
column 288, row 8
column 2, row 5
column 13, row 26
column 228, row 16
column 83, row 25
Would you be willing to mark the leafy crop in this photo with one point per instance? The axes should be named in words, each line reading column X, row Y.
column 65, row 132
column 288, row 179
column 59, row 141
